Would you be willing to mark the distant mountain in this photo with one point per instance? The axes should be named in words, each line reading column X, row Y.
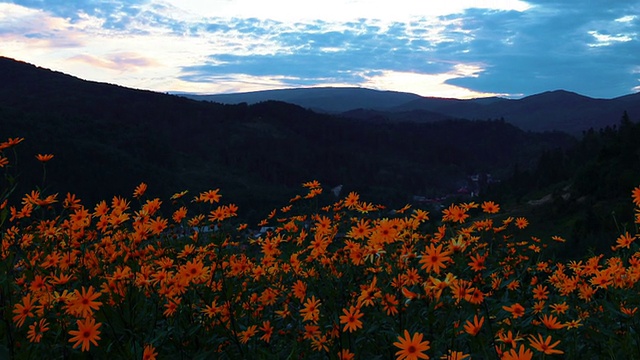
column 107, row 139
column 325, row 99
column 549, row 111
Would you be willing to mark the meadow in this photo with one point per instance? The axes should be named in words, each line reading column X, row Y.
column 140, row 277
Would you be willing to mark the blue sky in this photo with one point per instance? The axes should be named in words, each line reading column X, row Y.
column 462, row 48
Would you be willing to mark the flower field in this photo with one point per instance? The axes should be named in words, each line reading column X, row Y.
column 180, row 278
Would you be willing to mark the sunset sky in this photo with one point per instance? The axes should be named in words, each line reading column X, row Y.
column 452, row 48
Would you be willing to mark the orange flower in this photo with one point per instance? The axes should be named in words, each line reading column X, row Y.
column 474, row 328
column 3, row 161
column 149, row 352
column 44, row 157
column 545, row 346
column 10, row 142
column 267, row 329
column 139, row 190
column 551, row 322
column 87, row 333
column 351, row 319
column 490, row 207
column 540, row 292
column 521, row 223
column 454, row 213
column 178, row 195
column 345, row 354
column 24, row 310
column 522, row 354
column 36, row 330
column 411, row 348
column 299, row 290
column 351, row 200
column 246, row 335
column 635, row 194
column 84, row 303
column 158, row 225
column 455, row 355
column 210, row 196
column 623, row 241
column 311, row 311
column 434, row 259
column 509, row 339
column 516, row 310
column 477, row 262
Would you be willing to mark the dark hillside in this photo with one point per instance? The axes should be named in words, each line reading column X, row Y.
column 107, row 139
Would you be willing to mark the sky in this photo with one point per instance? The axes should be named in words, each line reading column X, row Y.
column 452, row 48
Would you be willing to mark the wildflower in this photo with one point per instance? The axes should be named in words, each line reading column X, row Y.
column 516, row 310
column 311, row 332
column 623, row 241
column 171, row 306
column 351, row 200
column 490, row 207
column 36, row 330
column 540, row 292
column 455, row 355
column 345, row 354
column 521, row 223
column 573, row 324
column 522, row 354
column 361, row 230
column 351, row 319
column 434, row 258
column 178, row 195
column 84, row 303
column 179, row 214
column 139, row 190
column 3, row 161
column 24, row 310
column 311, row 184
column 149, row 352
column 311, row 311
column 267, row 329
column 411, row 348
column 320, row 343
column 551, row 322
column 477, row 262
column 299, row 290
column 454, row 213
column 635, row 194
column 210, row 196
column 246, row 335
column 474, row 328
column 87, row 333
column 509, row 339
column 390, row 304
column 545, row 346
column 44, row 157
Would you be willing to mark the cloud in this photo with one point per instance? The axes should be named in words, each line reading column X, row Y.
column 23, row 27
column 428, row 84
column 292, row 11
column 459, row 46
column 124, row 61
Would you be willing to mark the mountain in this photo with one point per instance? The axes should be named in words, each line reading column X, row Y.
column 549, row 111
column 325, row 99
column 107, row 139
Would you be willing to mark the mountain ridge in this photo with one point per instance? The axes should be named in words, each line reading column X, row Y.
column 561, row 110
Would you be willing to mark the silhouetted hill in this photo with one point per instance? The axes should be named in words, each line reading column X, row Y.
column 106, row 139
column 549, row 111
column 326, row 99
